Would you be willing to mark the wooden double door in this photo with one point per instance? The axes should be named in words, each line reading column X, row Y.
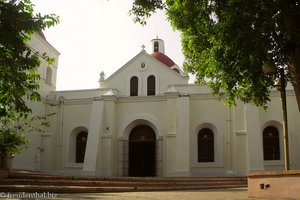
column 142, row 151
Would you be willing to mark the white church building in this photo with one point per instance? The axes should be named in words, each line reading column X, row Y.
column 146, row 119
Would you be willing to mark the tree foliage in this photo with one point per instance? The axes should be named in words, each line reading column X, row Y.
column 225, row 43
column 19, row 79
column 14, row 132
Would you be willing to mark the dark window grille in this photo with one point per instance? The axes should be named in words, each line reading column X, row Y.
column 206, row 145
column 134, row 86
column 151, row 85
column 156, row 46
column 271, row 143
column 81, row 140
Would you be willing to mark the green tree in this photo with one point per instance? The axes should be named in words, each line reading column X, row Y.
column 14, row 132
column 19, row 79
column 225, row 43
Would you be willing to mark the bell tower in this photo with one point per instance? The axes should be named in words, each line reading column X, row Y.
column 158, row 45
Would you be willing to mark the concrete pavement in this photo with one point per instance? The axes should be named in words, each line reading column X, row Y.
column 215, row 194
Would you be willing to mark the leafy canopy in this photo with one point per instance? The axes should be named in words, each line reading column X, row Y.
column 225, row 43
column 19, row 79
column 14, row 132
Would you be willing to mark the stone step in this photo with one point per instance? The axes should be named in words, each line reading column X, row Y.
column 165, row 182
column 133, row 179
column 17, row 175
column 85, row 189
column 30, row 181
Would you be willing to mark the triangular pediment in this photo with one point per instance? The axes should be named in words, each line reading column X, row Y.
column 143, row 65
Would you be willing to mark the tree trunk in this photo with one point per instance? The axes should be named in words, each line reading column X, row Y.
column 293, row 60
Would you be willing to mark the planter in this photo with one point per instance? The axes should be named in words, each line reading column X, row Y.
column 3, row 173
column 6, row 162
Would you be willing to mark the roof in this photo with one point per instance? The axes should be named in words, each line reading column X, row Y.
column 163, row 58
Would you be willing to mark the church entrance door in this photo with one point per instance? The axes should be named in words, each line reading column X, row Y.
column 142, row 151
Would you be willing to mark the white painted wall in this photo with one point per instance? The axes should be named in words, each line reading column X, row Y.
column 176, row 114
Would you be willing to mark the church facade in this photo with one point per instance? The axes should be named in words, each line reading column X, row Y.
column 147, row 120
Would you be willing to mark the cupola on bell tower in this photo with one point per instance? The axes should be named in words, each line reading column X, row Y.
column 158, row 45
column 158, row 48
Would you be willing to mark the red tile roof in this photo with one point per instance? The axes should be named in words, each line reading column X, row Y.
column 163, row 58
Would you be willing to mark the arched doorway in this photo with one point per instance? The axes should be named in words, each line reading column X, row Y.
column 142, row 151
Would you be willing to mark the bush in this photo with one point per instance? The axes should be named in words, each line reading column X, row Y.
column 14, row 132
column 12, row 143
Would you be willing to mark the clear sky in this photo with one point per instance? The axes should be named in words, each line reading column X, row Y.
column 99, row 35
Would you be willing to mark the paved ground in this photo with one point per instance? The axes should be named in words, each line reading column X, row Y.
column 219, row 194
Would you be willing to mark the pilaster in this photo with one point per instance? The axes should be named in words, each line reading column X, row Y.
column 93, row 147
column 254, row 139
column 109, row 138
column 182, row 161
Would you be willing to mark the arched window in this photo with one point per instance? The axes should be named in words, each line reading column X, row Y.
column 48, row 75
column 271, row 143
column 156, row 46
column 151, row 85
column 176, row 70
column 134, row 86
column 205, row 145
column 81, row 140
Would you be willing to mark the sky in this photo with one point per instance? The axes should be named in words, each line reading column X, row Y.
column 99, row 35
